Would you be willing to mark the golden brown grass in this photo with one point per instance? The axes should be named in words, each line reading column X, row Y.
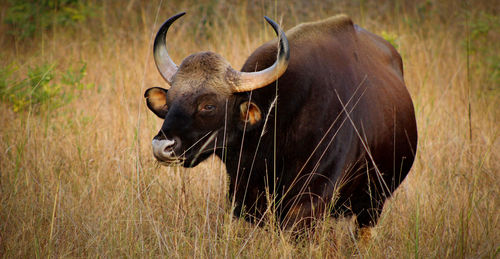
column 80, row 180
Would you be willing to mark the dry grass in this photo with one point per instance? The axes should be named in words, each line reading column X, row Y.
column 80, row 180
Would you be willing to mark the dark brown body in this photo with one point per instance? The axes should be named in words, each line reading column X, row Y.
column 340, row 138
column 324, row 156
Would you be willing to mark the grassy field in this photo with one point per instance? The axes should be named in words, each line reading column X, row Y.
column 77, row 175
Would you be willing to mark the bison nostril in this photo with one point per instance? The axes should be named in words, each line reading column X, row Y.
column 163, row 148
column 169, row 146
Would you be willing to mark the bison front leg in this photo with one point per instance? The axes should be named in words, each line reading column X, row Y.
column 302, row 214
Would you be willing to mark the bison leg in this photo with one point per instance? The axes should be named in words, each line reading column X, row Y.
column 367, row 211
column 302, row 215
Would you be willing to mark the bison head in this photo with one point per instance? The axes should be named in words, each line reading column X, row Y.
column 202, row 101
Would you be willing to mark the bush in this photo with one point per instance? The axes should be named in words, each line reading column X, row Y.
column 27, row 17
column 38, row 89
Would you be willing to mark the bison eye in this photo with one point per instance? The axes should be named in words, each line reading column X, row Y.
column 208, row 108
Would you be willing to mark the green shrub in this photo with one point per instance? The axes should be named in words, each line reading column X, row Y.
column 38, row 90
column 74, row 76
column 391, row 38
column 483, row 28
column 27, row 17
column 31, row 91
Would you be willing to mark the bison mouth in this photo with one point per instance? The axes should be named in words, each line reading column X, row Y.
column 171, row 163
column 166, row 151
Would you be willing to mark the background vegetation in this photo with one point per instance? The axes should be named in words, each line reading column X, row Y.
column 77, row 177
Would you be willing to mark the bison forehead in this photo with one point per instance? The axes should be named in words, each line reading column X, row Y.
column 204, row 71
column 207, row 62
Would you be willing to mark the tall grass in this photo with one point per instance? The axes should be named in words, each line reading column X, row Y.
column 79, row 180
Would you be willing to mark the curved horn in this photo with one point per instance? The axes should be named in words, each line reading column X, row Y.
column 254, row 80
column 164, row 63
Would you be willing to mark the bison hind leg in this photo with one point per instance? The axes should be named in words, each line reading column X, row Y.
column 367, row 217
column 366, row 209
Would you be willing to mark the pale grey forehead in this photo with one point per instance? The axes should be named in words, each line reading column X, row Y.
column 203, row 72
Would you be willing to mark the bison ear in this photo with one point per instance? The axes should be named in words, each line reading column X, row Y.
column 156, row 99
column 250, row 113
